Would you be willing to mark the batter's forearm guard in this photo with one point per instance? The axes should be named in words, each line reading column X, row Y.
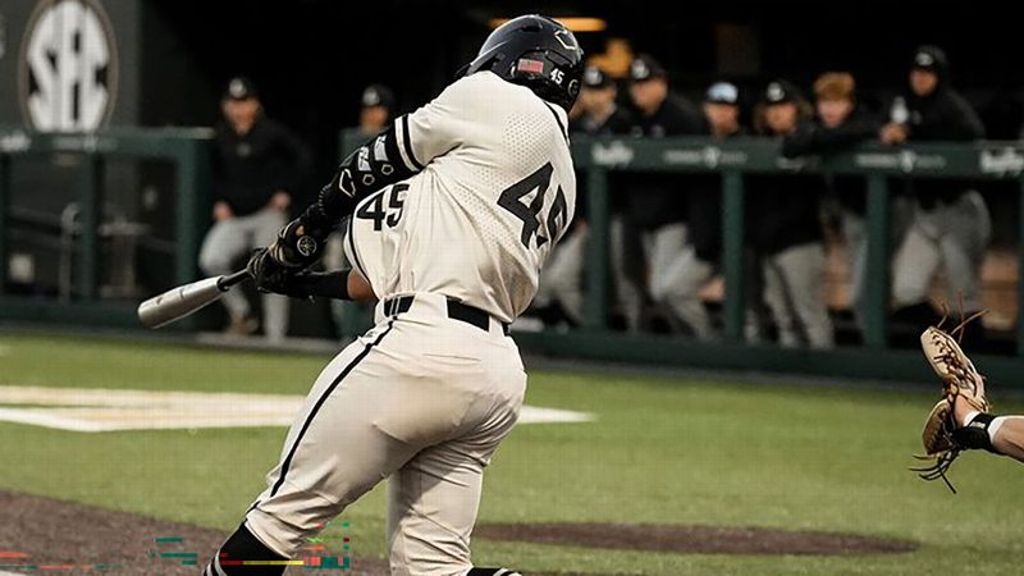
column 372, row 166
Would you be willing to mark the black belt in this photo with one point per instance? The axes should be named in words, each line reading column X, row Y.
column 456, row 311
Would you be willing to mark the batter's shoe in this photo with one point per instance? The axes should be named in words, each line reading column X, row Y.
column 493, row 572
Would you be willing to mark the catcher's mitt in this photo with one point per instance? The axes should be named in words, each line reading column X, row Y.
column 943, row 437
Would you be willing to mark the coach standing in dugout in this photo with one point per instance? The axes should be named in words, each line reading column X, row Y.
column 655, row 204
column 841, row 122
column 950, row 224
column 257, row 165
column 785, row 229
column 560, row 294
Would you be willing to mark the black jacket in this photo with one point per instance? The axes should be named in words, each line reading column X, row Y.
column 704, row 210
column 618, row 124
column 249, row 169
column 942, row 116
column 782, row 209
column 813, row 138
column 656, row 199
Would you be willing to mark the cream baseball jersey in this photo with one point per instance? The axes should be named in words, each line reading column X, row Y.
column 494, row 193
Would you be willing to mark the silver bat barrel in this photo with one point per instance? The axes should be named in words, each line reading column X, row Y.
column 180, row 302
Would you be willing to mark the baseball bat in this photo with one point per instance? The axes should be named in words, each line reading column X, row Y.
column 182, row 301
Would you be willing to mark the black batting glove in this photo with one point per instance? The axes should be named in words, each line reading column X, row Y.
column 301, row 242
column 269, row 276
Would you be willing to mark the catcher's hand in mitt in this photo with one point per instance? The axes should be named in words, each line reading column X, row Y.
column 945, row 436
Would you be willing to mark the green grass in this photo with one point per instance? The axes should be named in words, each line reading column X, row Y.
column 662, row 451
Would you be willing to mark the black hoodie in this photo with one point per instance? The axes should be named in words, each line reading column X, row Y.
column 942, row 116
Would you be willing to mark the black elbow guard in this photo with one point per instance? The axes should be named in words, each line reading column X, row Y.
column 372, row 166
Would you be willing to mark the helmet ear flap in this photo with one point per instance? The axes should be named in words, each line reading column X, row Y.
column 573, row 88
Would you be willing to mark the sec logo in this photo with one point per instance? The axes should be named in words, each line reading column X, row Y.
column 68, row 67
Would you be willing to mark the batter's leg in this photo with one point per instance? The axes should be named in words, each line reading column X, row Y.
column 432, row 505
column 336, row 450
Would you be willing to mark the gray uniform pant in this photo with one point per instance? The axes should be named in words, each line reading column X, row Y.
column 793, row 282
column 421, row 399
column 229, row 240
column 679, row 286
column 856, row 238
column 658, row 249
column 954, row 235
column 562, row 278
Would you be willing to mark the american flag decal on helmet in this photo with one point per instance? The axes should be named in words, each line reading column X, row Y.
column 530, row 66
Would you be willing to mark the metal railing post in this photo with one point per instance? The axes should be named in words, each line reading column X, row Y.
column 598, row 208
column 732, row 254
column 876, row 281
column 90, row 201
column 190, row 219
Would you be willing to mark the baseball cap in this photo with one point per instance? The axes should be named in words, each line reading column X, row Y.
column 931, row 58
column 594, row 77
column 780, row 92
column 240, row 88
column 645, row 67
column 723, row 93
column 378, row 95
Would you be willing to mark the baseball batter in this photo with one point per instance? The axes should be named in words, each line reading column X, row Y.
column 455, row 209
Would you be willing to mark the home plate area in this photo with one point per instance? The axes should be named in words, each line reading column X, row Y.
column 103, row 410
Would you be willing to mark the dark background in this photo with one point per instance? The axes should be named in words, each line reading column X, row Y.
column 312, row 58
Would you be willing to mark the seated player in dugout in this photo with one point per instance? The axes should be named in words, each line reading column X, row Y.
column 840, row 122
column 693, row 266
column 258, row 164
column 653, row 231
column 786, row 232
column 595, row 113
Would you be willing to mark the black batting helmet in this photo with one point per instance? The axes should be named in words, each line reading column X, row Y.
column 536, row 52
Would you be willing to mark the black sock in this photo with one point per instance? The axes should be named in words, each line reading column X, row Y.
column 241, row 546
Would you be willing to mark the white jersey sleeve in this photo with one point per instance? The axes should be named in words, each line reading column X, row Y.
column 494, row 190
column 430, row 131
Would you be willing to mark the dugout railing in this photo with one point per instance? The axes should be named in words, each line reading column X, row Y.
column 185, row 149
column 188, row 150
column 881, row 166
